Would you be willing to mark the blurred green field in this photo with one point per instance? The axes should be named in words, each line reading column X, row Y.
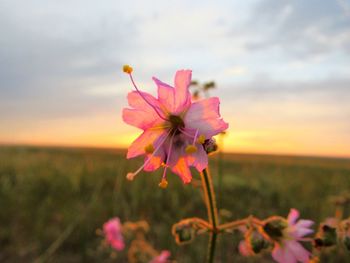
column 52, row 201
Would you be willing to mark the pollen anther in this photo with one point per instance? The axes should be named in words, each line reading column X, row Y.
column 127, row 69
column 163, row 184
column 191, row 149
column 201, row 139
column 130, row 176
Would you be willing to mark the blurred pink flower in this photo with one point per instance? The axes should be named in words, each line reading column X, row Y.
column 113, row 232
column 287, row 249
column 174, row 127
column 244, row 249
column 162, row 257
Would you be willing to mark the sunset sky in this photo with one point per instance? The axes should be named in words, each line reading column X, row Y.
column 282, row 69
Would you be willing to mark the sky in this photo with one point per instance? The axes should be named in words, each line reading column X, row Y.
column 282, row 69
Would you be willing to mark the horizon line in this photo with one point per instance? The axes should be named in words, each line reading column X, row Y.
column 101, row 147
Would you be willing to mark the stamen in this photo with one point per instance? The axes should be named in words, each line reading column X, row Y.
column 144, row 98
column 186, row 133
column 200, row 138
column 164, row 182
column 195, row 137
column 130, row 176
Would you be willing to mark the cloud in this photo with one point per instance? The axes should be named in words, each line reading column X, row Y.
column 298, row 103
column 54, row 52
column 345, row 5
column 299, row 28
column 237, row 70
column 267, row 87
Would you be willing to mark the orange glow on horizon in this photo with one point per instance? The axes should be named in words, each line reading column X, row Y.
column 239, row 142
column 243, row 136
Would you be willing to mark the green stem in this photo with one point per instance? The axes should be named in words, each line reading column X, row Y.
column 211, row 247
column 210, row 202
column 220, row 174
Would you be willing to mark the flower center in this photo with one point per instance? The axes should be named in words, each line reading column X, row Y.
column 176, row 122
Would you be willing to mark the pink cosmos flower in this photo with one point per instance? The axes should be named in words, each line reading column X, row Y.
column 287, row 249
column 113, row 232
column 162, row 257
column 174, row 127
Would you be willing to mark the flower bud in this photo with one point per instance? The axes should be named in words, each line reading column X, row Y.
column 253, row 243
column 210, row 145
column 326, row 237
column 184, row 233
column 274, row 228
column 258, row 244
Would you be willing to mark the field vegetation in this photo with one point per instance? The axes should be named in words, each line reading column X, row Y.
column 53, row 200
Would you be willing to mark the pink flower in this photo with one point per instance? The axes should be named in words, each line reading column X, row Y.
column 285, row 234
column 174, row 127
column 113, row 232
column 162, row 257
column 244, row 249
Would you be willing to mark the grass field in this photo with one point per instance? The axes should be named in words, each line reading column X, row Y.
column 52, row 201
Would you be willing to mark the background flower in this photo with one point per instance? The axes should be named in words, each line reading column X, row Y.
column 113, row 232
column 287, row 248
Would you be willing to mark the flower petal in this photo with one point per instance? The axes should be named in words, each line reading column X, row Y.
column 204, row 115
column 301, row 232
column 278, row 254
column 162, row 257
column 140, row 119
column 298, row 250
column 299, row 228
column 146, row 138
column 179, row 143
column 198, row 159
column 204, row 109
column 283, row 255
column 166, row 95
column 182, row 93
column 182, row 170
column 113, row 232
column 209, row 127
column 136, row 101
column 117, row 244
column 153, row 162
column 304, row 223
column 293, row 216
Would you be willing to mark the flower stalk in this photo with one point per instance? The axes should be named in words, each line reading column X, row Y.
column 210, row 201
